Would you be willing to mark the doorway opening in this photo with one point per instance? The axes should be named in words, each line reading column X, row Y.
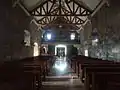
column 61, row 50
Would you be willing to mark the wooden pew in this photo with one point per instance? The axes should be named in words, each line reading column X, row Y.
column 98, row 73
column 84, row 66
column 77, row 61
column 23, row 74
column 47, row 61
column 100, row 77
column 13, row 75
column 42, row 63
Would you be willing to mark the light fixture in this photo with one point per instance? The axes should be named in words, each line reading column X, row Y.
column 49, row 36
column 72, row 36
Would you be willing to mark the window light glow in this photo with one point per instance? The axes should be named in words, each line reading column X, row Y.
column 36, row 49
column 49, row 36
column 86, row 52
column 72, row 36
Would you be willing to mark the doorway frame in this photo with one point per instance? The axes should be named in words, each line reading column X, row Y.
column 59, row 46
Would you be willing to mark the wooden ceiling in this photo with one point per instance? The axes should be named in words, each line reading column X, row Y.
column 60, row 12
column 56, row 11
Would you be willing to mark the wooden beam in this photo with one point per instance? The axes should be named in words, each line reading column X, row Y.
column 59, row 24
column 44, row 10
column 68, row 6
column 61, row 15
column 73, row 7
column 24, row 9
column 47, row 7
column 82, row 6
column 76, row 9
column 52, row 6
column 60, row 7
column 70, row 11
column 39, row 6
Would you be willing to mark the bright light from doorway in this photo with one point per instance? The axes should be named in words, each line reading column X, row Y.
column 60, row 46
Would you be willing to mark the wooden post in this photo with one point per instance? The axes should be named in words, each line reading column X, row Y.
column 34, row 81
column 93, row 81
column 46, row 68
column 71, row 64
column 75, row 66
column 78, row 69
column 40, row 78
column 87, row 81
column 39, row 81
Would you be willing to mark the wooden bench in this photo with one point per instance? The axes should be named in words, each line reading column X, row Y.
column 102, row 77
column 98, row 74
column 25, row 74
column 77, row 61
column 84, row 66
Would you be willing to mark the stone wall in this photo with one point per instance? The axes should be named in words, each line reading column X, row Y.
column 13, row 22
column 107, row 22
column 108, row 18
column 87, row 31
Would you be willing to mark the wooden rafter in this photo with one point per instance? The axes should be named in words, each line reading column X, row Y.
column 69, row 20
column 73, row 11
column 50, row 10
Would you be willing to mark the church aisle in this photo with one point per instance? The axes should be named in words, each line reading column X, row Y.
column 62, row 77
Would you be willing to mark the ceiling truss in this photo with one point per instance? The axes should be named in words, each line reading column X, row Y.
column 71, row 7
column 69, row 20
column 70, row 10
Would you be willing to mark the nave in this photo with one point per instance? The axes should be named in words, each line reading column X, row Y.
column 51, row 72
column 62, row 77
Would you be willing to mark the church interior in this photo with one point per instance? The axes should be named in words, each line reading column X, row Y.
column 60, row 44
